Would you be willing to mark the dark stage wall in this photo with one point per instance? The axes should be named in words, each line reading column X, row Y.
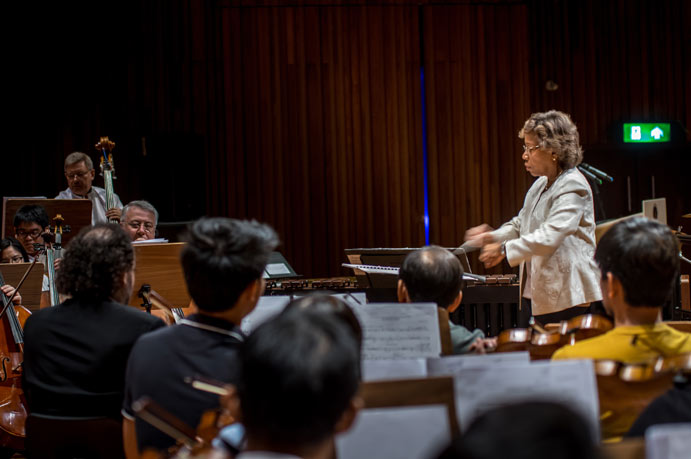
column 310, row 115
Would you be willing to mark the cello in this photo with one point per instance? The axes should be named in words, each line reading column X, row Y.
column 13, row 411
column 105, row 146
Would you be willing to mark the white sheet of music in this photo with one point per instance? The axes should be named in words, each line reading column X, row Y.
column 399, row 331
column 353, row 299
column 571, row 382
column 449, row 365
column 267, row 307
column 668, row 441
column 381, row 370
column 410, row 432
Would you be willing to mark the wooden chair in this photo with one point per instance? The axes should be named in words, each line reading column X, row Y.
column 60, row 437
column 629, row 448
column 445, row 332
column 413, row 392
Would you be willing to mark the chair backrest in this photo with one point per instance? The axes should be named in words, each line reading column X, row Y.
column 413, row 392
column 444, row 332
column 58, row 437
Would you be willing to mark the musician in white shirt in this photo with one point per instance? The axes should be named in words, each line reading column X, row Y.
column 80, row 173
column 139, row 220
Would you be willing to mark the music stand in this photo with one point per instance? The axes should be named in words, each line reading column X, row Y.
column 159, row 266
column 76, row 212
column 33, row 285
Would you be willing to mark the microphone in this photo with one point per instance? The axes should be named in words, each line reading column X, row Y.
column 590, row 175
column 597, row 172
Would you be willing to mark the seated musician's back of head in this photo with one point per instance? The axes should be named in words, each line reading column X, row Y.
column 30, row 222
column 526, row 430
column 223, row 262
column 83, row 375
column 98, row 266
column 299, row 377
column 434, row 275
column 639, row 258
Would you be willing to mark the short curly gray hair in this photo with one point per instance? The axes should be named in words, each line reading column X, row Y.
column 557, row 132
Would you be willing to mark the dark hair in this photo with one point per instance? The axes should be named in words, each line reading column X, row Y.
column 432, row 274
column 525, row 430
column 222, row 257
column 12, row 242
column 328, row 304
column 298, row 374
column 94, row 263
column 644, row 256
column 31, row 214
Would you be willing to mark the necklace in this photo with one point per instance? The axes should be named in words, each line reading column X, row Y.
column 547, row 187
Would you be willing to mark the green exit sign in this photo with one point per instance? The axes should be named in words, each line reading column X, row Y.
column 646, row 132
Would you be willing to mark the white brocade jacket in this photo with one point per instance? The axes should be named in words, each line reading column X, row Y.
column 555, row 231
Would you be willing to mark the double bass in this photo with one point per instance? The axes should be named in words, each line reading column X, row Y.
column 13, row 411
column 105, row 146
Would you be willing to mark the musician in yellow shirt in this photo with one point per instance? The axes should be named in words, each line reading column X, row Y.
column 639, row 265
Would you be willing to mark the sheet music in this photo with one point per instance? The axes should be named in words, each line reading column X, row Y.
column 399, row 331
column 393, row 271
column 381, row 370
column 571, row 382
column 668, row 441
column 450, row 365
column 353, row 299
column 158, row 240
column 267, row 307
column 386, row 433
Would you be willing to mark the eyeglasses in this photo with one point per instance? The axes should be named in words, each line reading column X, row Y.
column 74, row 175
column 14, row 259
column 527, row 149
column 148, row 227
column 34, row 233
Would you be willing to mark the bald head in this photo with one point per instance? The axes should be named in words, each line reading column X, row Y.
column 432, row 274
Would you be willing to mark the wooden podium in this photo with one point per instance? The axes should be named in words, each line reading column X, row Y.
column 76, row 212
column 159, row 266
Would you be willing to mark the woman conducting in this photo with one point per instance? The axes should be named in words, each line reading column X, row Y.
column 553, row 236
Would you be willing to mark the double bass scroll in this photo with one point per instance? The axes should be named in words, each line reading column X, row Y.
column 105, row 146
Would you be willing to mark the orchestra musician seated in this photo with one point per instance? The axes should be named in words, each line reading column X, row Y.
column 80, row 173
column 30, row 222
column 139, row 220
column 433, row 274
column 298, row 387
column 639, row 265
column 223, row 262
column 75, row 354
column 12, row 251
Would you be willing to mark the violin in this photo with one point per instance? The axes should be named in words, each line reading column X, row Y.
column 542, row 343
column 105, row 146
column 13, row 411
column 151, row 298
column 190, row 444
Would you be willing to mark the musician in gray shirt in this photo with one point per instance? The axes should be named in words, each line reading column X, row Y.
column 80, row 173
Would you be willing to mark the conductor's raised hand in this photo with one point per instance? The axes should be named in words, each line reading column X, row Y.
column 480, row 235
